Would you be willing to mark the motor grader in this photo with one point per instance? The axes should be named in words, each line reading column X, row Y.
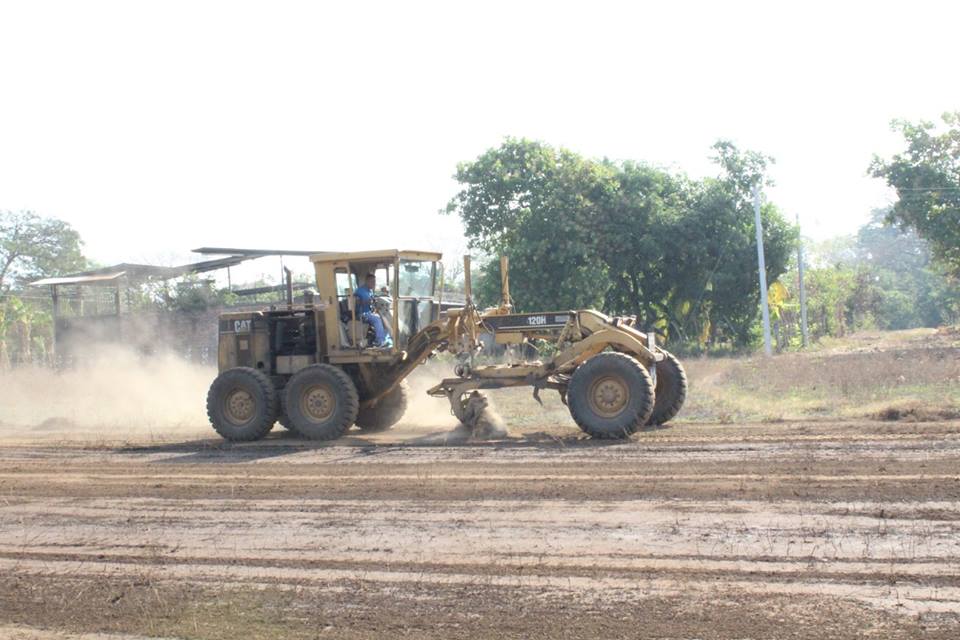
column 315, row 369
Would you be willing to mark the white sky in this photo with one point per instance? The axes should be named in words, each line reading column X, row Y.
column 157, row 127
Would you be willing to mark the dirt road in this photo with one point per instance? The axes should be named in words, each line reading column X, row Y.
column 788, row 530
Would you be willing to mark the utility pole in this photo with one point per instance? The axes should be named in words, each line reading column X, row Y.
column 764, row 307
column 803, row 292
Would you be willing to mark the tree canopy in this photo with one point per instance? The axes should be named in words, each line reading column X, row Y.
column 882, row 277
column 926, row 177
column 33, row 247
column 626, row 237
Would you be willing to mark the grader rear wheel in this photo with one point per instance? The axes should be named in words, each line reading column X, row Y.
column 242, row 404
column 610, row 395
column 321, row 402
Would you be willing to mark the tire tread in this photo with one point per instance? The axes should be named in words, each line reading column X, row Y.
column 669, row 401
column 348, row 395
column 576, row 395
column 264, row 422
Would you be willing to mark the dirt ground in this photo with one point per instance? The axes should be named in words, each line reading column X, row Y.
column 810, row 529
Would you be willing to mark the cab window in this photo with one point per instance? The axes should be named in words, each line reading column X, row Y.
column 416, row 278
column 346, row 282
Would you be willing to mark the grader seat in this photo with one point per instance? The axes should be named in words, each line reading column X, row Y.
column 347, row 333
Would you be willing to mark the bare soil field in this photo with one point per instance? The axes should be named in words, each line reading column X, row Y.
column 783, row 530
column 806, row 496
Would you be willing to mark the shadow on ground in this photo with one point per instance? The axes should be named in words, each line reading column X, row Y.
column 283, row 443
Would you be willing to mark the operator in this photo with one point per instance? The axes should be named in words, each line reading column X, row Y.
column 365, row 294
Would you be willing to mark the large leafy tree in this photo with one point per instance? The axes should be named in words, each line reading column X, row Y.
column 643, row 241
column 34, row 247
column 538, row 205
column 725, row 216
column 926, row 177
column 912, row 289
column 683, row 253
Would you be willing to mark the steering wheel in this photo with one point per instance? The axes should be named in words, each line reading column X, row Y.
column 381, row 303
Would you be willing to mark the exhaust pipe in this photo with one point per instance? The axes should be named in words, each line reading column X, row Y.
column 289, row 275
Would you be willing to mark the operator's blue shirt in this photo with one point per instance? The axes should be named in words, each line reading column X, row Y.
column 364, row 299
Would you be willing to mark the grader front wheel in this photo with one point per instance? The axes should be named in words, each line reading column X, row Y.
column 671, row 390
column 611, row 395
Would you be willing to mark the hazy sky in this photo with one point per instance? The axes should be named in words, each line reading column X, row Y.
column 157, row 127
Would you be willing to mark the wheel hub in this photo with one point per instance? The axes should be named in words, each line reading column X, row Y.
column 239, row 406
column 318, row 403
column 609, row 396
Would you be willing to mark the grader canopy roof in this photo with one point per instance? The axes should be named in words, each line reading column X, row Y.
column 385, row 254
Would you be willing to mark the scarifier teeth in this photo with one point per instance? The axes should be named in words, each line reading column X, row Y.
column 481, row 419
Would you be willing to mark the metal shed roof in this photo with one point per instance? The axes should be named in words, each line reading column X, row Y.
column 80, row 279
column 137, row 272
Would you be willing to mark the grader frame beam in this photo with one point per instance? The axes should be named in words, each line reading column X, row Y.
column 583, row 335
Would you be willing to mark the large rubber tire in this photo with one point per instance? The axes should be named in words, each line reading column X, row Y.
column 321, row 402
column 610, row 395
column 282, row 419
column 242, row 404
column 385, row 413
column 671, row 390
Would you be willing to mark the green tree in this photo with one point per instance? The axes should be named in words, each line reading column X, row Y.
column 33, row 247
column 26, row 331
column 926, row 177
column 828, row 292
column 636, row 233
column 682, row 254
column 720, row 238
column 538, row 205
column 914, row 290
column 883, row 277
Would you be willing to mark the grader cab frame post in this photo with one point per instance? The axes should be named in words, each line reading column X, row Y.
column 467, row 283
column 505, row 301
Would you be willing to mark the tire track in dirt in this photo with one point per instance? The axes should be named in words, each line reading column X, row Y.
column 913, row 598
column 870, row 521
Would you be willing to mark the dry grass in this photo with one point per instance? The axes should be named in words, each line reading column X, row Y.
column 913, row 375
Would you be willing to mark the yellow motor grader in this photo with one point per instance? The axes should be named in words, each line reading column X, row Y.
column 315, row 367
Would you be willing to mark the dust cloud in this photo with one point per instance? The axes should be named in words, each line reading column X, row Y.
column 117, row 395
column 111, row 394
column 425, row 412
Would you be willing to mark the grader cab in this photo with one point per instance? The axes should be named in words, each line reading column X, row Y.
column 318, row 370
